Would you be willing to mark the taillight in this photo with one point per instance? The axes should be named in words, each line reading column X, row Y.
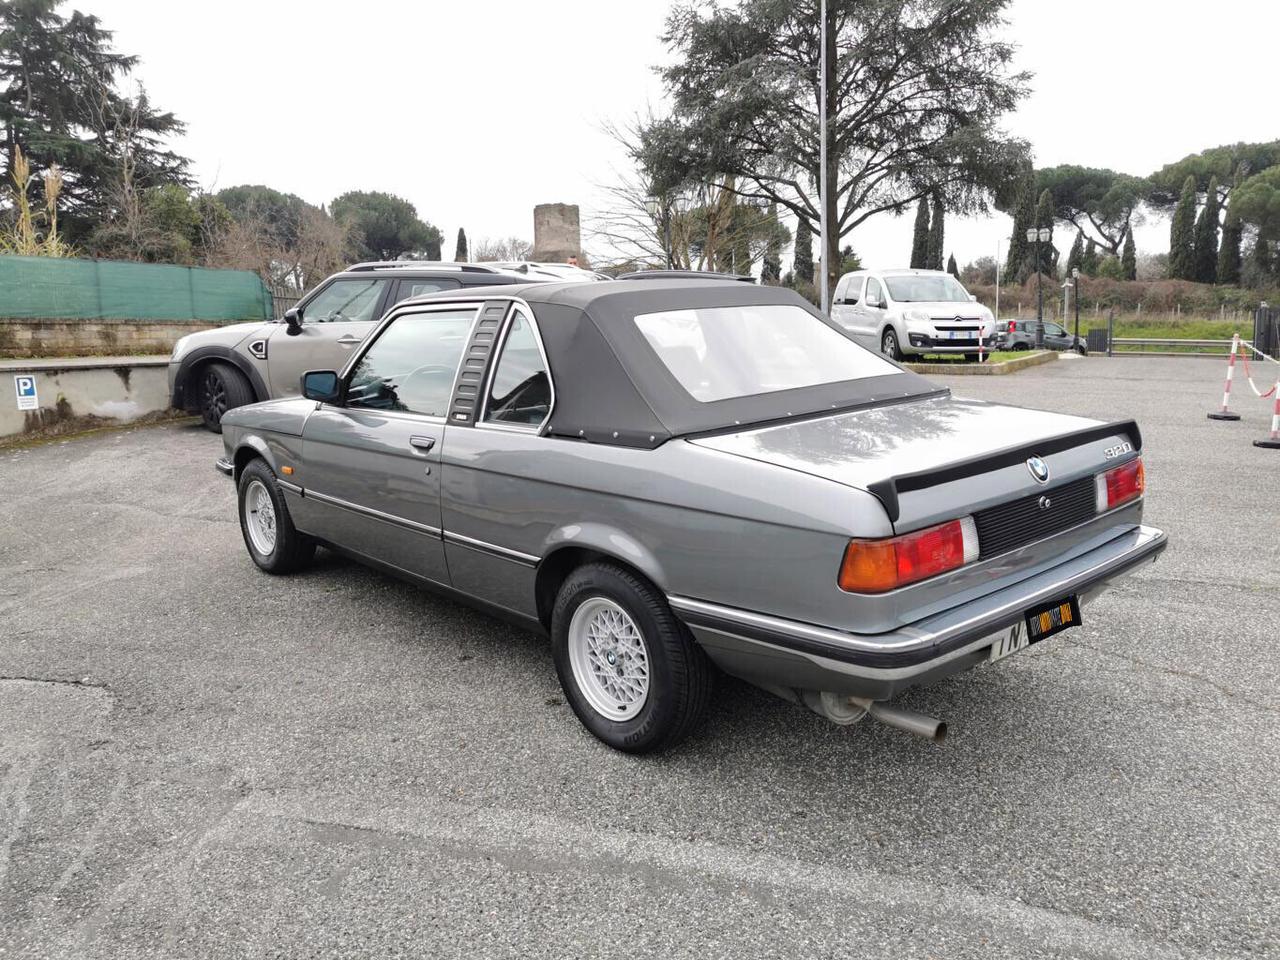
column 1120, row 485
column 876, row 566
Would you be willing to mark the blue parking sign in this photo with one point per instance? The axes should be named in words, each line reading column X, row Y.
column 25, row 385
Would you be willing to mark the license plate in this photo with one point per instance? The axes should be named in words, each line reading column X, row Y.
column 1039, row 623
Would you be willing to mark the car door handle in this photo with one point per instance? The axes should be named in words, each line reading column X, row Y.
column 347, row 340
column 422, row 443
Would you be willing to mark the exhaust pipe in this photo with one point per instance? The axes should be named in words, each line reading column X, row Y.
column 908, row 720
column 848, row 710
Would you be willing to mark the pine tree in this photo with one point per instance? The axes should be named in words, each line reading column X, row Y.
column 1048, row 264
column 1076, row 254
column 771, row 271
column 1261, row 257
column 1182, row 256
column 460, row 252
column 936, row 235
column 952, row 268
column 1229, row 251
column 804, row 252
column 1129, row 256
column 1022, row 216
column 920, row 236
column 1090, row 262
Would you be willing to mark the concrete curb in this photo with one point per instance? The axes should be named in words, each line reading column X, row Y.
column 985, row 369
column 67, row 394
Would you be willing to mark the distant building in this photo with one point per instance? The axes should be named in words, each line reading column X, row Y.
column 557, row 234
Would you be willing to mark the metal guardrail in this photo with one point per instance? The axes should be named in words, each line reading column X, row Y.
column 1141, row 345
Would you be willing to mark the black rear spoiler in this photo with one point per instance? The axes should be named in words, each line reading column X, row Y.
column 887, row 491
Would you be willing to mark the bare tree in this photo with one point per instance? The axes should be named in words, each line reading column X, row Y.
column 503, row 249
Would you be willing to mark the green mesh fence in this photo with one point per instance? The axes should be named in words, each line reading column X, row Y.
column 45, row 287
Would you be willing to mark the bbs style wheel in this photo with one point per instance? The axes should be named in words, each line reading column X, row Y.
column 630, row 670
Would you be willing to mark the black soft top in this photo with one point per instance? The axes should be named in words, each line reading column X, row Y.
column 611, row 386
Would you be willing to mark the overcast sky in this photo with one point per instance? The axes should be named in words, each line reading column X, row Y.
column 477, row 111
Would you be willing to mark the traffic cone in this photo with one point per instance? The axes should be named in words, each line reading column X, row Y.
column 1273, row 441
column 1224, row 413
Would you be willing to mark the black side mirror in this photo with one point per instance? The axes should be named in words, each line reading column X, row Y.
column 294, row 319
column 321, row 385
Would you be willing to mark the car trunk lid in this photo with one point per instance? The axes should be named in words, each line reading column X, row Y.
column 939, row 458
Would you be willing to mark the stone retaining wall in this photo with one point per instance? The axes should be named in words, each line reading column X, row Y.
column 88, row 338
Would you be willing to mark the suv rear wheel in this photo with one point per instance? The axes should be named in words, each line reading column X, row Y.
column 220, row 387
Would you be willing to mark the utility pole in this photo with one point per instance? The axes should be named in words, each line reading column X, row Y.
column 823, row 226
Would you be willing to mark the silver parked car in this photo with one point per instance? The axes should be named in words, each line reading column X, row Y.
column 911, row 313
column 666, row 475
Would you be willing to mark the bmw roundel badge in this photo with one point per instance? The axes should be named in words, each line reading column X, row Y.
column 1039, row 469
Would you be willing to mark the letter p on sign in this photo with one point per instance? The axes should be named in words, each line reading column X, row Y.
column 25, row 386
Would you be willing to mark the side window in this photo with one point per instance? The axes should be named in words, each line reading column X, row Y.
column 412, row 364
column 520, row 390
column 415, row 288
column 874, row 297
column 853, row 293
column 345, row 300
column 1054, row 330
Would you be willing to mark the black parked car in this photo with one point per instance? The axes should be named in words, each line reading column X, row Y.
column 1021, row 335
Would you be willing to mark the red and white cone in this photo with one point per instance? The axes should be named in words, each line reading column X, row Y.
column 1225, row 413
column 1273, row 441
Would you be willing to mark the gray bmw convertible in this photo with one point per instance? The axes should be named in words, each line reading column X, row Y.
column 673, row 476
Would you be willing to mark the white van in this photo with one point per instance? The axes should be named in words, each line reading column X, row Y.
column 912, row 312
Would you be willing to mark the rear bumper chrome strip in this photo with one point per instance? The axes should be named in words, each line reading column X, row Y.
column 922, row 643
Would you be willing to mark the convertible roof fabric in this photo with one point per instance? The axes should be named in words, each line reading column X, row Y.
column 611, row 387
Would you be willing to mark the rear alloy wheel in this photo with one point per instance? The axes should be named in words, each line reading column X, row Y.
column 889, row 344
column 221, row 388
column 273, row 542
column 630, row 670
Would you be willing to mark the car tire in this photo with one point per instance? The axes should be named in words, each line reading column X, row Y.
column 1020, row 346
column 889, row 344
column 219, row 388
column 663, row 679
column 273, row 542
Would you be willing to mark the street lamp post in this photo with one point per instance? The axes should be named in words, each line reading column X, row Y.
column 1038, row 237
column 1075, row 279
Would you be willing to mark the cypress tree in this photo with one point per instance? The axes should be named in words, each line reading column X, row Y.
column 1182, row 257
column 1229, row 251
column 804, row 252
column 1089, row 262
column 920, row 236
column 1076, row 254
column 952, row 268
column 1022, row 215
column 1129, row 256
column 460, row 252
column 1048, row 264
column 771, row 271
column 1205, row 242
column 936, row 236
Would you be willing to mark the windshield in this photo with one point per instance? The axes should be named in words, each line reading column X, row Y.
column 724, row 352
column 926, row 289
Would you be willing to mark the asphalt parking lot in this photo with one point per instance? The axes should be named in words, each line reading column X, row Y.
column 199, row 760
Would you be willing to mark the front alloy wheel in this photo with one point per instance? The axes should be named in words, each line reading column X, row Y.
column 889, row 344
column 269, row 534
